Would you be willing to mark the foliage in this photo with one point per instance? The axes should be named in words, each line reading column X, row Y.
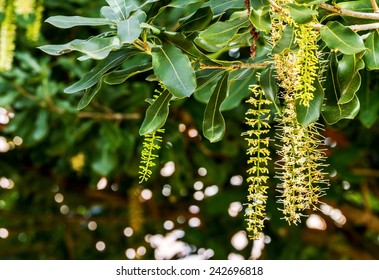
column 204, row 54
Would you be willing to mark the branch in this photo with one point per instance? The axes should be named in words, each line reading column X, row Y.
column 109, row 116
column 236, row 66
column 337, row 10
column 375, row 6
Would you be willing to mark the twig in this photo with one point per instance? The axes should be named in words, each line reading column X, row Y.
column 363, row 27
column 337, row 10
column 109, row 116
column 236, row 66
column 375, row 6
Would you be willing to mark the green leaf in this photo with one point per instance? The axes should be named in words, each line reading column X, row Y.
column 301, row 14
column 332, row 111
column 174, row 70
column 120, row 76
column 120, row 9
column 310, row 114
column 197, row 21
column 259, row 4
column 128, row 30
column 104, row 161
column 371, row 56
column 91, row 78
column 363, row 6
column 182, row 3
column 239, row 82
column 89, row 94
column 261, row 19
column 97, row 47
column 287, row 41
column 213, row 122
column 349, row 79
column 41, row 125
column 368, row 114
column 156, row 114
column 339, row 37
column 206, row 80
column 60, row 49
column 270, row 86
column 217, row 36
column 221, row 6
column 310, row 3
column 71, row 21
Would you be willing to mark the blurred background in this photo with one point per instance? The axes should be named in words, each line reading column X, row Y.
column 69, row 179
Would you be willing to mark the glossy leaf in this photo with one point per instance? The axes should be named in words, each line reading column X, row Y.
column 206, row 81
column 300, row 13
column 371, row 56
column 341, row 38
column 174, row 70
column 287, row 41
column 60, row 49
column 349, row 79
column 259, row 4
column 261, row 19
column 156, row 114
column 197, row 21
column 309, row 114
column 332, row 111
column 71, row 21
column 89, row 94
column 220, row 6
column 217, row 36
column 120, row 9
column 270, row 86
column 128, row 30
column 120, row 76
column 92, row 77
column 213, row 122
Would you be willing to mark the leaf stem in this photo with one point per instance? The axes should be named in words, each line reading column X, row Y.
column 375, row 6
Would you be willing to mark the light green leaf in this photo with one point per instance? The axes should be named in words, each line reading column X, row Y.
column 349, row 79
column 217, row 36
column 363, row 6
column 71, row 21
column 371, row 56
column 341, row 38
column 174, row 70
column 213, row 122
column 128, row 30
column 259, row 4
column 60, row 49
column 156, row 114
column 91, row 78
column 120, row 9
column 97, row 47
column 301, row 14
column 309, row 114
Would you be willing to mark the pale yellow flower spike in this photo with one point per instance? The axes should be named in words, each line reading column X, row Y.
column 7, row 39
column 24, row 7
column 258, row 159
column 33, row 29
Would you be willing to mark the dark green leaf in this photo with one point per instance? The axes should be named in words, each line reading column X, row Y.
column 270, row 86
column 332, row 111
column 301, row 14
column 367, row 93
column 174, row 70
column 310, row 114
column 197, row 21
column 287, row 41
column 89, row 94
column 349, row 79
column 156, row 114
column 259, row 4
column 91, row 78
column 71, row 21
column 221, row 6
column 239, row 82
column 60, row 49
column 371, row 56
column 213, row 122
column 120, row 76
column 206, row 80
column 341, row 38
column 41, row 125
